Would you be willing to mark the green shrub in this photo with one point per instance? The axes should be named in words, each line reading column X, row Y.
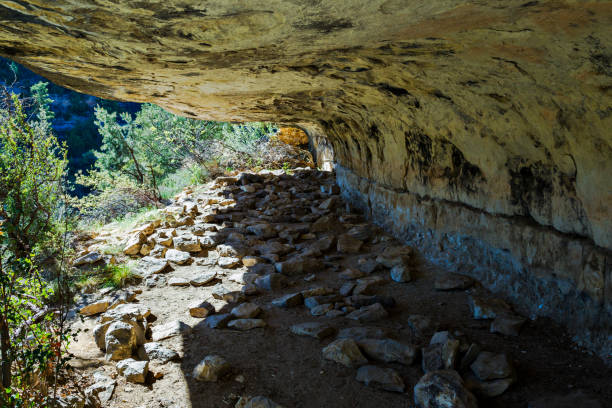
column 32, row 168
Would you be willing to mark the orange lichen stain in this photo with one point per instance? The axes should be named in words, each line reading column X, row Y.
column 292, row 136
column 510, row 52
column 462, row 18
column 574, row 19
column 548, row 114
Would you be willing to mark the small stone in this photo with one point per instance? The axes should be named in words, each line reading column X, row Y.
column 387, row 350
column 492, row 366
column 298, row 266
column 88, row 259
column 121, row 339
column 170, row 329
column 401, row 273
column 150, row 265
column 228, row 262
column 366, row 285
column 222, row 292
column 211, row 368
column 313, row 301
column 453, row 281
column 103, row 387
column 250, row 261
column 345, row 352
column 349, row 245
column 178, row 257
column 262, row 269
column 201, row 309
column 469, row 356
column 246, row 311
column 230, row 251
column 290, row 300
column 132, row 247
column 441, row 353
column 203, row 278
column 487, row 308
column 126, row 312
column 313, row 329
column 187, row 243
column 218, row 321
column 246, row 324
column 95, row 308
column 259, row 402
column 507, row 324
column 273, row 281
column 384, row 378
column 347, row 289
column 368, row 313
column 178, row 282
column 400, row 255
column 155, row 351
column 367, row 265
column 264, row 231
column 443, row 389
column 320, row 310
column 133, row 371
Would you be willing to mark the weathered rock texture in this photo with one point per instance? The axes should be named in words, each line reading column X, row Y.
column 481, row 129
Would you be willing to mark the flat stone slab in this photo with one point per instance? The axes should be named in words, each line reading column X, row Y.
column 246, row 311
column 313, row 329
column 453, row 281
column 170, row 329
column 370, row 313
column 178, row 282
column 246, row 324
column 384, row 378
column 203, row 278
column 388, row 350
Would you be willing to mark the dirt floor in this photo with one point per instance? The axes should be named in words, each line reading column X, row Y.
column 291, row 370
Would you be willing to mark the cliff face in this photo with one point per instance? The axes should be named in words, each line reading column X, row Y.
column 481, row 131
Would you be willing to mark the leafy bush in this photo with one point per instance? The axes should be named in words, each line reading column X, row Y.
column 146, row 159
column 32, row 167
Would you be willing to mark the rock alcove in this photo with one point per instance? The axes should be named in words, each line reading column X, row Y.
column 478, row 131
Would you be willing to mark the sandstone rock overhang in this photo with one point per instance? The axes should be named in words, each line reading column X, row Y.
column 481, row 131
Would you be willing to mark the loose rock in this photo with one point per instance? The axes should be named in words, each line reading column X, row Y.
column 385, row 378
column 133, row 371
column 313, row 329
column 443, row 389
column 211, row 368
column 246, row 324
column 345, row 352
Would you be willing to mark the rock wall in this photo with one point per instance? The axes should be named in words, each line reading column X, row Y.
column 495, row 116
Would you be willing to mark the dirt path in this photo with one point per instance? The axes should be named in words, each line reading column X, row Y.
column 290, row 369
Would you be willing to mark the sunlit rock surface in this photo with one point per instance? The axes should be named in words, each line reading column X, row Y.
column 480, row 130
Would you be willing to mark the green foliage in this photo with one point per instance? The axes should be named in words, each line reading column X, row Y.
column 148, row 158
column 114, row 276
column 42, row 101
column 119, row 276
column 32, row 167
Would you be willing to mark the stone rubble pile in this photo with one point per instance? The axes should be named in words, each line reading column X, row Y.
column 275, row 229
